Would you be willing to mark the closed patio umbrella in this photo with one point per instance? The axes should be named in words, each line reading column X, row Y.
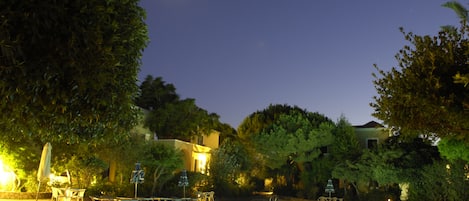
column 43, row 171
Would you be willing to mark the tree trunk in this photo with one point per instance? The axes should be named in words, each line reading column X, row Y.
column 156, row 176
column 112, row 171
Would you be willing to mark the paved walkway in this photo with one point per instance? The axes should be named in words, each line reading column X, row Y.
column 25, row 199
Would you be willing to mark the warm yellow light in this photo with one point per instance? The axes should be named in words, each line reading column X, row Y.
column 202, row 157
column 7, row 178
column 201, row 162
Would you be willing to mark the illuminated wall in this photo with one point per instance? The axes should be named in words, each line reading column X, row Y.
column 196, row 157
column 371, row 134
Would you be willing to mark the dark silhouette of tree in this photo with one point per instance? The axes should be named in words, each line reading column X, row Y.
column 155, row 93
column 170, row 117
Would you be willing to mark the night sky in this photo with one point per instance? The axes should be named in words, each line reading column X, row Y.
column 235, row 57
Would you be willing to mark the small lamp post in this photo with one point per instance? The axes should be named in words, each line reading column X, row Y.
column 329, row 187
column 137, row 176
column 183, row 181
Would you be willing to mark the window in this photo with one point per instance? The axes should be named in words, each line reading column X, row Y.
column 200, row 140
column 372, row 143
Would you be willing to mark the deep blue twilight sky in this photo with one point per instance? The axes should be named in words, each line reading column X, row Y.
column 235, row 57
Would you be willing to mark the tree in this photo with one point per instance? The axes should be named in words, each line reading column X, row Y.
column 227, row 132
column 170, row 117
column 346, row 145
column 286, row 141
column 292, row 138
column 229, row 166
column 160, row 161
column 441, row 180
column 453, row 149
column 68, row 68
column 259, row 120
column 182, row 120
column 345, row 149
column 462, row 13
column 155, row 93
column 422, row 96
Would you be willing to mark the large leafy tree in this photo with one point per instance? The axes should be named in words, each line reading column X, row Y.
column 69, row 68
column 169, row 116
column 259, row 120
column 291, row 148
column 155, row 93
column 160, row 162
column 346, row 145
column 229, row 167
column 441, row 180
column 396, row 161
column 285, row 141
column 292, row 138
column 426, row 94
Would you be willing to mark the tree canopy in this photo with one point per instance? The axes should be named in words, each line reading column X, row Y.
column 259, row 120
column 288, row 144
column 69, row 68
column 292, row 138
column 168, row 115
column 424, row 95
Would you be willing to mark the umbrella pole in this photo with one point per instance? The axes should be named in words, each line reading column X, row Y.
column 38, row 186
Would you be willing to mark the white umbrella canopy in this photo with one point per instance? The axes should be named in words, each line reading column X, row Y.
column 43, row 171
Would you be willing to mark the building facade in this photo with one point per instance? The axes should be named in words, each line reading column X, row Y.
column 371, row 134
column 197, row 153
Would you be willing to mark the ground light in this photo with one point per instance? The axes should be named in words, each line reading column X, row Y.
column 7, row 178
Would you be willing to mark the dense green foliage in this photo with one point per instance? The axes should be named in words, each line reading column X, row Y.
column 442, row 180
column 427, row 98
column 292, row 138
column 159, row 161
column 453, row 149
column 259, row 120
column 290, row 146
column 345, row 145
column 230, row 169
column 425, row 94
column 155, row 93
column 68, row 73
column 69, row 68
column 168, row 115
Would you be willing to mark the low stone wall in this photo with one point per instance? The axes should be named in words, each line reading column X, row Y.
column 24, row 195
